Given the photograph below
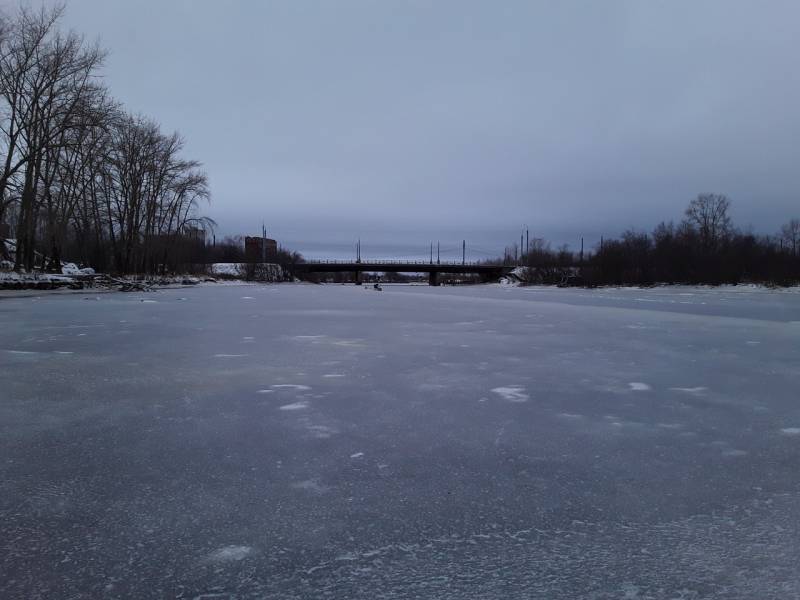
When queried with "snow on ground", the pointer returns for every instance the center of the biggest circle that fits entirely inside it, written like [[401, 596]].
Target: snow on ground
[[486, 442]]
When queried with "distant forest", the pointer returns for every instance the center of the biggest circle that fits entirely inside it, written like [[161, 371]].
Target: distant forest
[[704, 248], [79, 176]]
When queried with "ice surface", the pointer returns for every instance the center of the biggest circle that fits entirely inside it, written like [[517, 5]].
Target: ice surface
[[165, 463]]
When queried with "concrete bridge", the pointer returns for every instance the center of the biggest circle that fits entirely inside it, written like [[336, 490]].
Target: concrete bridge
[[396, 266]]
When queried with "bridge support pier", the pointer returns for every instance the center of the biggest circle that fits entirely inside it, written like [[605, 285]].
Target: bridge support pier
[[357, 277], [433, 279]]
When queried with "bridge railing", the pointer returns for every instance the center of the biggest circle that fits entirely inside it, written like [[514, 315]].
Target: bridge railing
[[425, 263]]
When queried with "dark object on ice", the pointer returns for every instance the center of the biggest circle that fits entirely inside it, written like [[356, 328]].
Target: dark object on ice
[[378, 287]]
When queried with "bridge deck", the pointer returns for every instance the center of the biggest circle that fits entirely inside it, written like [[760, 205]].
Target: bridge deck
[[398, 267]]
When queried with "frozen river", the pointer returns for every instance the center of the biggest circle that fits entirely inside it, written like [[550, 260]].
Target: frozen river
[[298, 441]]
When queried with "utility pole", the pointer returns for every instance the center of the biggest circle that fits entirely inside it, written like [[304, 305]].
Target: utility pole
[[463, 252], [358, 251], [581, 251], [431, 252], [438, 255], [601, 243], [520, 248], [527, 241], [263, 242]]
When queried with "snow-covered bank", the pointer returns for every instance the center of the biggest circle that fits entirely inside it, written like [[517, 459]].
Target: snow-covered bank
[[11, 280], [251, 271], [75, 277]]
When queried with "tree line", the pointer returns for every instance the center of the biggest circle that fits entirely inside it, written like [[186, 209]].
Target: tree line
[[703, 248], [79, 176]]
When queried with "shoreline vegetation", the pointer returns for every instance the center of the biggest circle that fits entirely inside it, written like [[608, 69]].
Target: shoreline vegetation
[[80, 177], [705, 248]]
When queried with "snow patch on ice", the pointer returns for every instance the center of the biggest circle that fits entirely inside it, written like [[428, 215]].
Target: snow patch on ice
[[290, 386], [333, 375], [349, 343], [734, 452], [690, 390], [310, 485], [638, 386], [230, 553], [512, 393], [321, 432], [790, 431], [357, 455], [302, 405], [229, 355], [265, 391]]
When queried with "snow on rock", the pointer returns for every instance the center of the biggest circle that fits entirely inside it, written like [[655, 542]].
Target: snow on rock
[[73, 269], [228, 269]]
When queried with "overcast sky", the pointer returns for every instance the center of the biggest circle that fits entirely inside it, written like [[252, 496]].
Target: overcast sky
[[418, 120]]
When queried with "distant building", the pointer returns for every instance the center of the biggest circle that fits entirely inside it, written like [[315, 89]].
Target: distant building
[[259, 249], [196, 234]]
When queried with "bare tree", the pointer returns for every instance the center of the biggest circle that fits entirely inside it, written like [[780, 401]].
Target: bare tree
[[46, 76], [790, 234], [708, 214], [75, 170]]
